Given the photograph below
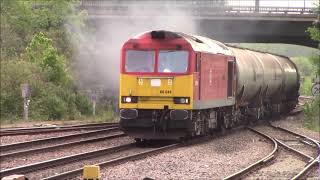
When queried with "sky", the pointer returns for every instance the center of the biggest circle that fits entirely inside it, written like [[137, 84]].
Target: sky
[[275, 3]]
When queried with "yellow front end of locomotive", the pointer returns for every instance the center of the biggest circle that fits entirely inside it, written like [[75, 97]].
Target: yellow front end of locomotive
[[149, 92]]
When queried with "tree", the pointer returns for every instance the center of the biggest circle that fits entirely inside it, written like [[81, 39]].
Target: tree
[[35, 47], [312, 110], [20, 20], [314, 32], [41, 52]]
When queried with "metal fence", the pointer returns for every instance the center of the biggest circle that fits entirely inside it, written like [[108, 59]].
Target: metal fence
[[225, 6], [205, 7]]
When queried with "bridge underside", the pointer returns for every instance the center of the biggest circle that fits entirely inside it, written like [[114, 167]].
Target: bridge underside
[[250, 31], [224, 30]]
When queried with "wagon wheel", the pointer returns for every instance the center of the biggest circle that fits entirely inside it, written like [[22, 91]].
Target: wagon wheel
[[221, 123], [199, 125]]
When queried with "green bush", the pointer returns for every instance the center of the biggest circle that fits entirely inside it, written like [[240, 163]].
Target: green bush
[[36, 49], [13, 74], [84, 105], [312, 112], [306, 85], [47, 100], [304, 65], [307, 71]]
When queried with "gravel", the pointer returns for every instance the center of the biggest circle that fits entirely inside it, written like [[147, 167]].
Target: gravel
[[211, 160], [296, 123], [284, 166], [81, 163], [314, 174], [61, 152]]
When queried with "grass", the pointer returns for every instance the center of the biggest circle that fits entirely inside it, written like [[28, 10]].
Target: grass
[[306, 85]]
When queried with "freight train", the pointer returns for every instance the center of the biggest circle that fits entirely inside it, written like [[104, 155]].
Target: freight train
[[175, 85]]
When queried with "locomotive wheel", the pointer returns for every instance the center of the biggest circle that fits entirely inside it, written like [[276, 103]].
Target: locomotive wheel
[[223, 129], [199, 125], [227, 121]]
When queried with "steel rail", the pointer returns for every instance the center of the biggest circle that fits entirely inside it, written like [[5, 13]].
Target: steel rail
[[296, 134], [59, 138], [116, 161], [55, 127], [54, 147], [299, 153], [258, 163], [43, 131], [136, 156], [315, 160], [63, 160], [305, 170]]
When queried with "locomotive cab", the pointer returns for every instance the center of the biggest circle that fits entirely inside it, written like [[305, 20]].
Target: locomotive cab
[[156, 81]]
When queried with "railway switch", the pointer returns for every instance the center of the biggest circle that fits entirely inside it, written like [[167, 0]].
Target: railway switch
[[91, 172]]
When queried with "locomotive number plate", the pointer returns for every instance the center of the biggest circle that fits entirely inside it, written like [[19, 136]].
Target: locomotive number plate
[[165, 91]]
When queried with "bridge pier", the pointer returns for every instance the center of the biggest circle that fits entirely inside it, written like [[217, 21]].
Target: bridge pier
[[257, 6]]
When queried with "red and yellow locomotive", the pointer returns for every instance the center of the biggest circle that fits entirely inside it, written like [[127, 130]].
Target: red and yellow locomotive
[[175, 85]]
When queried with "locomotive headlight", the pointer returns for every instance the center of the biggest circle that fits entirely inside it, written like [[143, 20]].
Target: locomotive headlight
[[129, 99], [181, 100]]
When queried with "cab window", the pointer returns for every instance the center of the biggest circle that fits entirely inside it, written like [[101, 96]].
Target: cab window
[[172, 61], [139, 61]]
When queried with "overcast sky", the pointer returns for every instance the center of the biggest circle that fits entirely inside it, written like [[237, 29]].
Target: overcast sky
[[275, 3]]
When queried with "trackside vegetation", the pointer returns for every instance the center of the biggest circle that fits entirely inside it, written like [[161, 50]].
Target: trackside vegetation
[[312, 110], [36, 49]]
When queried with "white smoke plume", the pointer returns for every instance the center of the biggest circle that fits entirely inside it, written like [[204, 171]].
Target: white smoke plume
[[96, 63]]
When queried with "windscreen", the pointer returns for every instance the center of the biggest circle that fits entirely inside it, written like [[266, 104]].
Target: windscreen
[[139, 61], [172, 61]]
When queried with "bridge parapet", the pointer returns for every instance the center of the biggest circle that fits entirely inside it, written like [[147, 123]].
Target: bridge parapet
[[195, 9]]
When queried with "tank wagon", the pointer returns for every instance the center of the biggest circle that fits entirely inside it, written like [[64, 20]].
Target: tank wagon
[[175, 85]]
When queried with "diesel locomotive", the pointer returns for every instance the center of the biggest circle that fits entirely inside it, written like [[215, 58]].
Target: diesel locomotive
[[175, 85]]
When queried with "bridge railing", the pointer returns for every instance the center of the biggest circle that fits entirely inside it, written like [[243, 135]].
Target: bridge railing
[[203, 7], [189, 7]]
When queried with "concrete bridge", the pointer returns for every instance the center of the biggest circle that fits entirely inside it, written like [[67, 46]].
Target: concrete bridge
[[236, 21]]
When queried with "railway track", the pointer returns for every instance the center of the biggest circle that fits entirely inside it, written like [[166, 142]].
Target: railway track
[[4, 157], [76, 173], [307, 154], [260, 162], [71, 166], [10, 148], [127, 152], [63, 160], [314, 160], [42, 130]]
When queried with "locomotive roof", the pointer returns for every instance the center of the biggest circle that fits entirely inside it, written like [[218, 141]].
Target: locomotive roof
[[198, 43]]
